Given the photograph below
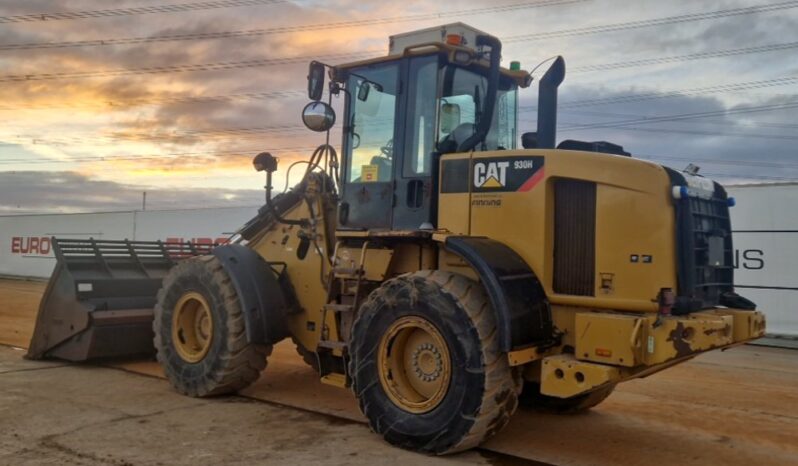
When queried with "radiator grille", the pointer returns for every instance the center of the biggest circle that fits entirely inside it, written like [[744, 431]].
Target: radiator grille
[[706, 220], [574, 237]]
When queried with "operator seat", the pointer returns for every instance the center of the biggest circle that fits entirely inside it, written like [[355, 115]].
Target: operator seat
[[452, 141]]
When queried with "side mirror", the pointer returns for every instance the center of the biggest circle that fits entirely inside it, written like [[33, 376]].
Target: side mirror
[[363, 91], [315, 80], [450, 117], [318, 116]]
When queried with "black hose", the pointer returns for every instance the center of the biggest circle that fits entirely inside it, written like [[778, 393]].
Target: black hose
[[324, 152]]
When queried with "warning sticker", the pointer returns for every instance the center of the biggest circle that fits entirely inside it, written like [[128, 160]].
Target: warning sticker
[[369, 173]]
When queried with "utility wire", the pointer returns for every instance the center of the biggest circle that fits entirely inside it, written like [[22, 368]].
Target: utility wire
[[171, 157], [701, 133], [758, 124], [683, 116], [257, 131], [294, 59], [732, 162], [108, 13], [732, 87], [221, 66], [625, 26], [161, 100], [683, 58], [395, 19], [284, 29]]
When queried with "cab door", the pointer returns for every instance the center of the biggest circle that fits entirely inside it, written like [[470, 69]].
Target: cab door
[[414, 186], [372, 138]]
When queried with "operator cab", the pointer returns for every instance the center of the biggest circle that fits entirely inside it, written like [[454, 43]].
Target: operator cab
[[402, 111]]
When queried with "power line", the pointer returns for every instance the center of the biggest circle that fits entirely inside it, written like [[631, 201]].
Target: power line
[[753, 177], [684, 116], [653, 22], [746, 124], [702, 133], [720, 123], [250, 131], [108, 13], [287, 60], [732, 87], [683, 58], [175, 156], [285, 29], [732, 162], [159, 100], [221, 66]]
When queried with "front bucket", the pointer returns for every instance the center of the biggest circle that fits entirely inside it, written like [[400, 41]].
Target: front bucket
[[99, 301]]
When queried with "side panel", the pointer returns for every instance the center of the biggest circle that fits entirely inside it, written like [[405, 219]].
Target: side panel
[[521, 307], [280, 243], [513, 202]]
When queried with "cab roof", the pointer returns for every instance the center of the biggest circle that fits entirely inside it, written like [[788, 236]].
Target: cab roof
[[521, 77]]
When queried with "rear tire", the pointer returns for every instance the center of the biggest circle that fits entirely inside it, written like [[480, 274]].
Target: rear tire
[[532, 398], [443, 328], [200, 336]]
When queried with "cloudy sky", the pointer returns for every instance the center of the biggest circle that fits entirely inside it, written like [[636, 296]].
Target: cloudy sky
[[174, 97]]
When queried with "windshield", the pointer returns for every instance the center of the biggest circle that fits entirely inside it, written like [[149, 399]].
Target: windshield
[[462, 104]]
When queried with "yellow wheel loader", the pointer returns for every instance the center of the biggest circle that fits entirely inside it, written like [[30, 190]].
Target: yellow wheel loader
[[439, 271]]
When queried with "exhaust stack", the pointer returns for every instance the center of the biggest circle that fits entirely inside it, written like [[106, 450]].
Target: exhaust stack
[[547, 104]]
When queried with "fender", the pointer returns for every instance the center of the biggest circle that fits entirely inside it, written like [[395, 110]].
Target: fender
[[264, 300], [522, 311]]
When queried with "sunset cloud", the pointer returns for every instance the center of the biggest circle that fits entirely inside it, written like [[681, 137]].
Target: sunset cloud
[[183, 132]]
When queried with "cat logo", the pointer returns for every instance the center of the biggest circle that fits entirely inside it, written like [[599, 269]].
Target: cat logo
[[490, 174]]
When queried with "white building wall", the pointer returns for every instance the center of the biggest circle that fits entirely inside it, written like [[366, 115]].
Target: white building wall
[[25, 248]]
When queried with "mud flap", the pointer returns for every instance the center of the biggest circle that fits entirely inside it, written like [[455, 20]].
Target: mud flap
[[100, 298]]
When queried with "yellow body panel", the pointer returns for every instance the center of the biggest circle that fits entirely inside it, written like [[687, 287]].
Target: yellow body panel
[[280, 244], [632, 198]]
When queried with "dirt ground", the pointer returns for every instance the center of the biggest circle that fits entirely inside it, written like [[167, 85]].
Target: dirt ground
[[737, 407], [85, 415]]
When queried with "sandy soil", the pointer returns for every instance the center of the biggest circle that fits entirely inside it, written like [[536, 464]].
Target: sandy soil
[[737, 407]]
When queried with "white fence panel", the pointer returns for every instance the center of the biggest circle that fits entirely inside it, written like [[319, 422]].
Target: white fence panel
[[765, 224]]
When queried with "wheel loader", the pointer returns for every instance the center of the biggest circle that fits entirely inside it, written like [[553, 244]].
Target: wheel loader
[[439, 271]]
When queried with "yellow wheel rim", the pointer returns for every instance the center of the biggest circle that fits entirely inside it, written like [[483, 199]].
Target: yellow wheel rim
[[414, 364], [192, 327]]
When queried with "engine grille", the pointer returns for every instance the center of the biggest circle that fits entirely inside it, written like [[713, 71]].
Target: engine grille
[[574, 237], [705, 250]]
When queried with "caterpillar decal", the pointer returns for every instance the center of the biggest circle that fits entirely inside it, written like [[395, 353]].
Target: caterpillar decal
[[492, 174]]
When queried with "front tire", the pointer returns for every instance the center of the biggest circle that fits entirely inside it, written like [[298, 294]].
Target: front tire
[[426, 366], [200, 336]]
